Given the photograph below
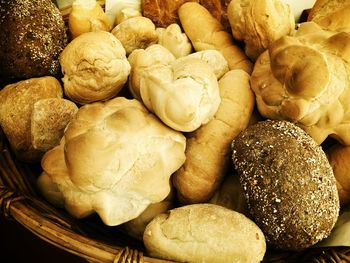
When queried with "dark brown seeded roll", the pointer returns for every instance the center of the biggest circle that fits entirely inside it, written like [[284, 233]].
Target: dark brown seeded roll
[[289, 185], [32, 36]]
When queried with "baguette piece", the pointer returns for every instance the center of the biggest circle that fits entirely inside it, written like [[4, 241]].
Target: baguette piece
[[205, 32], [208, 148], [87, 16], [204, 233]]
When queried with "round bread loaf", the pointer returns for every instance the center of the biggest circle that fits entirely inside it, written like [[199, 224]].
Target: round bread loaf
[[32, 36], [288, 183]]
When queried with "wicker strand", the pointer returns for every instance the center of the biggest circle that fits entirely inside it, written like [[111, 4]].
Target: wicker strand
[[7, 198], [127, 255]]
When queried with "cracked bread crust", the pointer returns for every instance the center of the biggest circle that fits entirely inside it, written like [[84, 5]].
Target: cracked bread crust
[[204, 233]]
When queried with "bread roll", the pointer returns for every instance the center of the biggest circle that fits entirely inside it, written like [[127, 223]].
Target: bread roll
[[305, 79], [208, 148], [339, 157], [136, 32], [16, 106], [174, 40], [205, 32], [125, 14], [32, 36], [164, 13], [87, 16], [331, 14], [288, 182], [131, 156], [259, 23], [48, 120], [94, 66], [183, 93], [214, 59], [204, 233]]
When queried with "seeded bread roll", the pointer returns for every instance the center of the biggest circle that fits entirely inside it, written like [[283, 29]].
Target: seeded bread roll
[[32, 36], [288, 182]]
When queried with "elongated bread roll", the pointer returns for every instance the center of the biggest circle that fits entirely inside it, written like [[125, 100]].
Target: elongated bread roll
[[204, 233], [205, 32], [208, 148]]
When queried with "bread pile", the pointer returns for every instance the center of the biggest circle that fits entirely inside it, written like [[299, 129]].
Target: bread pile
[[198, 127]]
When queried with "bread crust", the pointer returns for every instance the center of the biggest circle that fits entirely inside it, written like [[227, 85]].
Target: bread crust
[[205, 32], [208, 148]]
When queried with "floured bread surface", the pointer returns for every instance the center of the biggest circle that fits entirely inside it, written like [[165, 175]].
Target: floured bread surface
[[115, 159], [204, 233]]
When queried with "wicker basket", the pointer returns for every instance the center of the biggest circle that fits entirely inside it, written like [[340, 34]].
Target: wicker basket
[[89, 238]]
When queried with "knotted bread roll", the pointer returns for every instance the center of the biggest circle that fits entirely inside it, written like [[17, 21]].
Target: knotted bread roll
[[305, 79], [115, 159], [183, 93]]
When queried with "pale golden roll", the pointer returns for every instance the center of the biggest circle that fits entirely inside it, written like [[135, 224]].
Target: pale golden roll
[[136, 33], [182, 92], [174, 40], [339, 158], [259, 23], [331, 14], [205, 32], [305, 79], [204, 233], [130, 154], [214, 59], [209, 147], [94, 66], [87, 16]]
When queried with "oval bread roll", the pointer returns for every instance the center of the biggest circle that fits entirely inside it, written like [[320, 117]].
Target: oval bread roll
[[204, 233], [208, 148]]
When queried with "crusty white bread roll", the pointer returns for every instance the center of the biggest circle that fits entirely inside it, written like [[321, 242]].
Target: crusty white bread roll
[[183, 93], [208, 148], [136, 32], [305, 79], [214, 59], [259, 23], [331, 14], [174, 40], [339, 158], [94, 66], [16, 106], [205, 32], [115, 159], [87, 16], [204, 233]]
